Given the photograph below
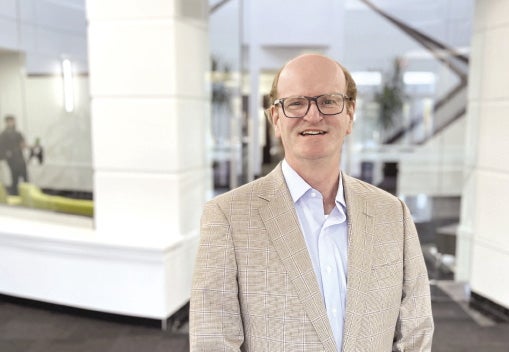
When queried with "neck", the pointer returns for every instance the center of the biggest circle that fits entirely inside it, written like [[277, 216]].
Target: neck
[[322, 176]]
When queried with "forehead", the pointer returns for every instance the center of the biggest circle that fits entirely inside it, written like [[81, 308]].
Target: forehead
[[311, 76]]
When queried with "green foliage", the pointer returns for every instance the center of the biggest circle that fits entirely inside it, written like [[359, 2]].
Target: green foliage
[[221, 94], [390, 98]]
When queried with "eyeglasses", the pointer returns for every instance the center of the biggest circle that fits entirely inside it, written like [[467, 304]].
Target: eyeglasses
[[327, 104]]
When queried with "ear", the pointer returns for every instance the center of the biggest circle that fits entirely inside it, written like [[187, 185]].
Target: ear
[[274, 116], [350, 115]]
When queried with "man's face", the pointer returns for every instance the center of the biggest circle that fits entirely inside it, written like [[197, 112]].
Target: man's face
[[315, 136]]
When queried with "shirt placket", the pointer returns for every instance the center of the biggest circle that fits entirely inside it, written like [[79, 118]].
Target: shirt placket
[[333, 280]]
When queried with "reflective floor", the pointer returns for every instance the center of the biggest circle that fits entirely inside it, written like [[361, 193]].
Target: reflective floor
[[25, 328], [30, 329]]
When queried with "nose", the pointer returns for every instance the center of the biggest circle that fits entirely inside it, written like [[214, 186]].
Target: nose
[[313, 114]]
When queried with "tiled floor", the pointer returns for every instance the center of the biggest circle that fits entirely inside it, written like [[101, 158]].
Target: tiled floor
[[29, 329], [25, 328]]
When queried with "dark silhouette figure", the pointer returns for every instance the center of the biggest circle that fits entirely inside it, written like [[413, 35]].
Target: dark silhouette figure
[[12, 144]]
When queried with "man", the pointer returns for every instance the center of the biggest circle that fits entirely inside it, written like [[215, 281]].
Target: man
[[308, 258], [12, 144]]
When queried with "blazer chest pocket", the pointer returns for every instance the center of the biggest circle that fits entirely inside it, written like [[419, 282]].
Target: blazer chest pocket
[[387, 274]]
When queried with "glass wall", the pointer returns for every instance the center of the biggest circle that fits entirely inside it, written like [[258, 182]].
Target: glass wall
[[411, 63], [45, 143], [228, 123]]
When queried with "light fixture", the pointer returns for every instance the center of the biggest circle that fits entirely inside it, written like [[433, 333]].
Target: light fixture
[[419, 78], [367, 78], [68, 85]]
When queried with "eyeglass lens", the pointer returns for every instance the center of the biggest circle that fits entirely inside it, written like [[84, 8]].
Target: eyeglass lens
[[328, 104]]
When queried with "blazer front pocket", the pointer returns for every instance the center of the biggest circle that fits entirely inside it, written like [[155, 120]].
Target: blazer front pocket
[[387, 274]]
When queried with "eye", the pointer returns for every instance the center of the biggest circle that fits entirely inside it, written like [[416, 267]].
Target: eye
[[295, 103], [330, 100]]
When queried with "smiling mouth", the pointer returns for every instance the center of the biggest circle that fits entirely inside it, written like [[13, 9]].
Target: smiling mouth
[[312, 133]]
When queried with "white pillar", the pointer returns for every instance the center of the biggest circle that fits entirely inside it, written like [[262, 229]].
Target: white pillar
[[483, 246], [150, 112]]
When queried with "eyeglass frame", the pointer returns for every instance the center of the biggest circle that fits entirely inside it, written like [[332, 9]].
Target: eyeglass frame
[[281, 102]]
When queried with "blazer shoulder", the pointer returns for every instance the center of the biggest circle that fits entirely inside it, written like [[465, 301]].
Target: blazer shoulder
[[263, 188], [367, 190]]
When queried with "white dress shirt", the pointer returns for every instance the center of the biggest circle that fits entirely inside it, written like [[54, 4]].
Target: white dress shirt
[[326, 237]]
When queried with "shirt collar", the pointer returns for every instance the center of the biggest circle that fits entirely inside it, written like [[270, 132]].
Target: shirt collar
[[298, 187]]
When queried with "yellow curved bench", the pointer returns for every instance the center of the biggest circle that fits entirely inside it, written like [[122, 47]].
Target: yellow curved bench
[[6, 198], [33, 197]]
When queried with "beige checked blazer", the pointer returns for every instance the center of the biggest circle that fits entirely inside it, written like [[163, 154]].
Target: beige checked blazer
[[254, 287]]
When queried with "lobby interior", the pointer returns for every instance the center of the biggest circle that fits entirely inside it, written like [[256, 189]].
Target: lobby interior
[[117, 277]]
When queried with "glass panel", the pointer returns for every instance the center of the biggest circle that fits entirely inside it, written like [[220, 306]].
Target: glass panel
[[227, 124], [409, 134], [45, 143]]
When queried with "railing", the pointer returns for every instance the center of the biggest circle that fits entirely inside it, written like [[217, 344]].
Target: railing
[[452, 106]]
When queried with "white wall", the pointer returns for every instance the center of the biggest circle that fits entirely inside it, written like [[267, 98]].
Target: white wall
[[301, 23], [11, 87], [483, 248]]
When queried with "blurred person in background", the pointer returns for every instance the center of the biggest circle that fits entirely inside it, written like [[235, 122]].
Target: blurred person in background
[[12, 144]]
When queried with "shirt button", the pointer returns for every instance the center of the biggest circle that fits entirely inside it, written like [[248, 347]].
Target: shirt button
[[329, 269], [313, 194], [334, 311]]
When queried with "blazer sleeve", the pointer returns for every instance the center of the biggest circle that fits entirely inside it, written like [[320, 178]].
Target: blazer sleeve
[[414, 330], [215, 323]]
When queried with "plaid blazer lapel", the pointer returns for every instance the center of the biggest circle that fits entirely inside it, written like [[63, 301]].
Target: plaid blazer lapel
[[360, 245], [283, 227]]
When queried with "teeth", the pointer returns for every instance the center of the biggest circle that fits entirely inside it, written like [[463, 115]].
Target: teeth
[[312, 133]]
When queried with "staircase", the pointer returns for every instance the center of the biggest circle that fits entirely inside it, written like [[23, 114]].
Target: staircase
[[434, 164]]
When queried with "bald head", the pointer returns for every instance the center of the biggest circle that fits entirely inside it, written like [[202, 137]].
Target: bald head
[[316, 68]]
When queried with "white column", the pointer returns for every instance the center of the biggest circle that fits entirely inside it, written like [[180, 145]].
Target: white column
[[483, 248], [150, 112]]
